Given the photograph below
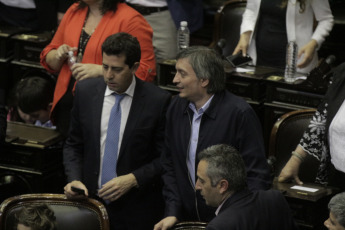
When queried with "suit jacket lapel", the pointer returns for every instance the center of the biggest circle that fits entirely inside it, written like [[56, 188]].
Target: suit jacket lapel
[[138, 104]]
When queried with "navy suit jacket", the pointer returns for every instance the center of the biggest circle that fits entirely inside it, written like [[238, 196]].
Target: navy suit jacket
[[140, 150], [260, 210]]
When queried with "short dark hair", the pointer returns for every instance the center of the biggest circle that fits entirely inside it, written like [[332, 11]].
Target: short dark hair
[[123, 43], [207, 64], [37, 217], [337, 206], [107, 5], [34, 93], [225, 162]]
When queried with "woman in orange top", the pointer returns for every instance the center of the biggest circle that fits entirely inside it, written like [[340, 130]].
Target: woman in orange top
[[82, 30]]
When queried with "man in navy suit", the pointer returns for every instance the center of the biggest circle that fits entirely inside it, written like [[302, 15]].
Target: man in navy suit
[[137, 186], [222, 183]]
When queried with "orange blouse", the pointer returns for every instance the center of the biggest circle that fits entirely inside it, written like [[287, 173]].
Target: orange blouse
[[125, 19]]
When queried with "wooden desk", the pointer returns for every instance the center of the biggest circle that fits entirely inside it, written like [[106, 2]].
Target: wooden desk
[[309, 210]]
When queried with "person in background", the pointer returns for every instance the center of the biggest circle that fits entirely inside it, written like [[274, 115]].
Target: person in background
[[36, 217], [222, 183], [34, 96], [84, 27], [324, 138], [116, 138], [165, 16], [35, 15], [205, 114], [268, 26], [336, 206]]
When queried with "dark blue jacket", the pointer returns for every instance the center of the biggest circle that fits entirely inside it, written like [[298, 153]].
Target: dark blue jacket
[[259, 210], [228, 120]]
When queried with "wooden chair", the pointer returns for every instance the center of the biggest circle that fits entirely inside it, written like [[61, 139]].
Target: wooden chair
[[190, 225], [227, 23], [86, 214], [285, 136]]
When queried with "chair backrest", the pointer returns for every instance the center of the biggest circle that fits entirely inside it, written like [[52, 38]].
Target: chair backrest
[[227, 24], [85, 214], [190, 225], [285, 136]]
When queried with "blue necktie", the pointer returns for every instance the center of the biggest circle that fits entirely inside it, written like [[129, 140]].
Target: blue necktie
[[112, 141]]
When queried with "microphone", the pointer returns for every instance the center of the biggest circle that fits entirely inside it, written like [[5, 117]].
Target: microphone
[[318, 78], [220, 45]]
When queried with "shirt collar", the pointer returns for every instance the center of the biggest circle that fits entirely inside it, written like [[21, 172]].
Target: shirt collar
[[129, 91], [203, 108]]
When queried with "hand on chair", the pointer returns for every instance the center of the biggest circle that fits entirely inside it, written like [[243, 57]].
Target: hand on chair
[[70, 194], [166, 223]]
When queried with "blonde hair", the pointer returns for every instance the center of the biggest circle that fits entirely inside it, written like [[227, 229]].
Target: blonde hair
[[301, 4]]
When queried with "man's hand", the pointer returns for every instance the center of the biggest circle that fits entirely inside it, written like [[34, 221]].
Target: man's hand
[[166, 223], [70, 194], [117, 187], [81, 71]]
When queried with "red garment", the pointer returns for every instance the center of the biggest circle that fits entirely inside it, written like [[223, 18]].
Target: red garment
[[125, 19]]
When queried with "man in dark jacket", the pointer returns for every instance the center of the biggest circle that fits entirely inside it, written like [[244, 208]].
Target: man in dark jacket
[[222, 182], [205, 114]]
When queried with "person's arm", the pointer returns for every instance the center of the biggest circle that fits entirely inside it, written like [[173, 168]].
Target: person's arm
[[250, 144], [243, 43], [247, 26], [324, 18], [73, 147], [291, 169]]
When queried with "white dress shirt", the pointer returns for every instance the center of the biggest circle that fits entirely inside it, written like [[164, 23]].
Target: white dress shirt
[[336, 139]]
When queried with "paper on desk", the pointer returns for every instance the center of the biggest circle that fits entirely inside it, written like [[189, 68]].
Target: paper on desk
[[306, 189], [243, 70]]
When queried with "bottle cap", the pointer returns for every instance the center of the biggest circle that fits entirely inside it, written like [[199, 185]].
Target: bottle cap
[[184, 23]]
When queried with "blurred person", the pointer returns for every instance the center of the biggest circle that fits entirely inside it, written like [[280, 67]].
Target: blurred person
[[36, 217], [35, 15], [268, 26], [336, 206], [34, 97], [222, 183], [324, 138], [116, 138], [204, 114], [84, 27], [165, 16]]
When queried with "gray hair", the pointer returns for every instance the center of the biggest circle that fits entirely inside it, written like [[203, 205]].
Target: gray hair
[[225, 162], [337, 206], [207, 64]]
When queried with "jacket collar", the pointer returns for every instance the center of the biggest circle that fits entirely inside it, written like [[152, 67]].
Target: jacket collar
[[212, 109]]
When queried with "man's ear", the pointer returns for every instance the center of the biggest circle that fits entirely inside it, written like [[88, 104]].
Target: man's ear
[[223, 186], [135, 67], [204, 82]]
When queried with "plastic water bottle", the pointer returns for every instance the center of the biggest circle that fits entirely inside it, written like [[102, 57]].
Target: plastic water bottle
[[291, 62], [71, 59], [183, 36]]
